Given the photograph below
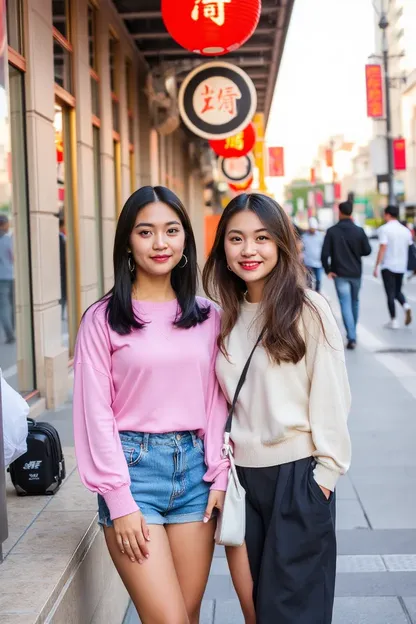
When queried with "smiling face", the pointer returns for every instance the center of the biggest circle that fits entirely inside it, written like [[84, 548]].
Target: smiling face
[[157, 240], [251, 252]]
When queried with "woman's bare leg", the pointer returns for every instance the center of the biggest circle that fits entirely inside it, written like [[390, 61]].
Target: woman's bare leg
[[153, 586], [192, 547], [243, 583]]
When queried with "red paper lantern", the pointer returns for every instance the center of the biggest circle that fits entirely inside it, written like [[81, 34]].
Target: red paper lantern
[[235, 146], [211, 27], [238, 188]]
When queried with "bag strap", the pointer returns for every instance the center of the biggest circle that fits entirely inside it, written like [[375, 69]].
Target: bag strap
[[239, 386]]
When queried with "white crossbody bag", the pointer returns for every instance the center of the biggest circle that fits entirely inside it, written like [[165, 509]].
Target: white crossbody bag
[[231, 523]]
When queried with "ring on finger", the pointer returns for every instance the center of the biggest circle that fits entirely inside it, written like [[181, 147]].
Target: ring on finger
[[126, 542]]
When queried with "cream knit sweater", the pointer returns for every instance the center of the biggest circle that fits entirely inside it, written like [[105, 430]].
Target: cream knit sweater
[[288, 412]]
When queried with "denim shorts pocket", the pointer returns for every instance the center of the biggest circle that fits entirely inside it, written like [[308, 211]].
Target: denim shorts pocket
[[199, 445], [133, 454]]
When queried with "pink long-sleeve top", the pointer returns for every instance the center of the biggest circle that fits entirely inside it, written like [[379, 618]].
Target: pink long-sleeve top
[[158, 379]]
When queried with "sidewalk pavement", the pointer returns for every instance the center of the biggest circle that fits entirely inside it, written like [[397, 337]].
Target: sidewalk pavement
[[376, 501]]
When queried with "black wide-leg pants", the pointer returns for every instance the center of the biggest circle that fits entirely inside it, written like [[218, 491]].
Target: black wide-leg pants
[[291, 543]]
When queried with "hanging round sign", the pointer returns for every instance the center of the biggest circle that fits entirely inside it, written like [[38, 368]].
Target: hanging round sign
[[237, 145], [239, 188], [236, 170], [208, 27], [217, 100]]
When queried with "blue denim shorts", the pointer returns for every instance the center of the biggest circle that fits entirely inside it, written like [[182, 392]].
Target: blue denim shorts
[[166, 472]]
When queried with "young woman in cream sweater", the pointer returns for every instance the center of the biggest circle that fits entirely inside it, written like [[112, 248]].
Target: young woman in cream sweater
[[290, 435]]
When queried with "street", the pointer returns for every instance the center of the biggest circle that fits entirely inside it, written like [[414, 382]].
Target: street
[[376, 504]]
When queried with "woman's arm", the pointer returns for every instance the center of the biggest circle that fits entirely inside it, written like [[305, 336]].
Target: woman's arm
[[330, 398], [101, 462], [217, 412]]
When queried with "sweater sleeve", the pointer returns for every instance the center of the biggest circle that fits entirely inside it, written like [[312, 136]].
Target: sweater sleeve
[[330, 398], [101, 462], [217, 412]]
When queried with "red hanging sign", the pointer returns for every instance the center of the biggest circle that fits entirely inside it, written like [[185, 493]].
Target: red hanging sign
[[399, 154], [276, 162], [374, 87], [237, 145]]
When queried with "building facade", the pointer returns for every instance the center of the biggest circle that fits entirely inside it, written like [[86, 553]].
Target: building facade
[[76, 138]]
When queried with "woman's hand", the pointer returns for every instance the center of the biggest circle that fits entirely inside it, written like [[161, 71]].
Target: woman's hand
[[325, 491], [215, 500], [132, 534]]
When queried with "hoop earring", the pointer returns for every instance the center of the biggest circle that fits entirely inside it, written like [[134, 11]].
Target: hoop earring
[[184, 265], [130, 262], [229, 268]]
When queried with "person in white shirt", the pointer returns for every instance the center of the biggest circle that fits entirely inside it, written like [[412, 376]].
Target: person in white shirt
[[289, 432], [393, 255]]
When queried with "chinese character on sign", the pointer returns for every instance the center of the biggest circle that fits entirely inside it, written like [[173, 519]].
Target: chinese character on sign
[[208, 95], [235, 142], [227, 99], [221, 100], [211, 9]]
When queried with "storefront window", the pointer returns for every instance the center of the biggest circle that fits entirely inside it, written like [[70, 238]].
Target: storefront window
[[14, 19], [98, 210], [114, 50], [60, 13], [62, 48], [16, 334], [92, 49], [64, 214], [117, 176]]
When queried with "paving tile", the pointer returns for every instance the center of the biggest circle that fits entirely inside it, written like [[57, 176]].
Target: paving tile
[[410, 604], [27, 582], [228, 612], [368, 611], [400, 563], [207, 612], [381, 541], [389, 506], [18, 618], [349, 564], [376, 584], [73, 496], [220, 566], [59, 532], [345, 489], [350, 515]]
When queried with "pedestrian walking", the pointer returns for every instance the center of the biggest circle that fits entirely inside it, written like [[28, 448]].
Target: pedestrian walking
[[344, 245], [313, 241], [149, 414], [393, 255], [7, 320], [289, 432]]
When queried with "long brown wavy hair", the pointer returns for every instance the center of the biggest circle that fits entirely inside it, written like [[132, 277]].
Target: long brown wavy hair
[[284, 295]]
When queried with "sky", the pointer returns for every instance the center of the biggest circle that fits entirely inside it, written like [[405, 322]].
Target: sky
[[320, 89]]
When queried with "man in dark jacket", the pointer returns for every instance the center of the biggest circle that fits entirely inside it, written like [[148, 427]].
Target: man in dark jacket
[[344, 245]]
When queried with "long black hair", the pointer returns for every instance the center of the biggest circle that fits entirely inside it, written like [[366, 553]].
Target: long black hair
[[120, 314]]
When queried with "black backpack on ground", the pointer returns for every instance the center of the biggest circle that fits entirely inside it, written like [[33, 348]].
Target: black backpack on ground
[[41, 469]]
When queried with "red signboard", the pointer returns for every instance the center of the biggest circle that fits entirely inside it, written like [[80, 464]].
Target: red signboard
[[374, 86], [399, 154], [276, 162], [313, 176], [329, 158]]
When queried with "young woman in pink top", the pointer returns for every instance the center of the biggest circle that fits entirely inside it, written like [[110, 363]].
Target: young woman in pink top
[[149, 415]]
